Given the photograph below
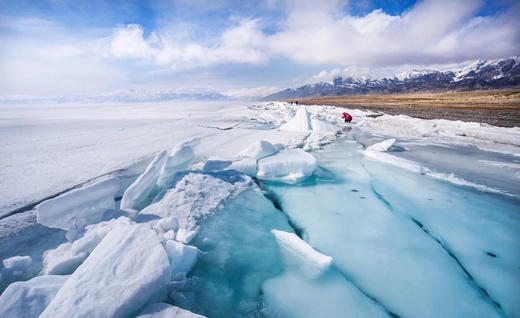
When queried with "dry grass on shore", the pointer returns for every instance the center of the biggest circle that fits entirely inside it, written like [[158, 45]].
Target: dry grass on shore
[[508, 99]]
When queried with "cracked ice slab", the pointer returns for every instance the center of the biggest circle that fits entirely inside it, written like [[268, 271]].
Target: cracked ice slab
[[311, 286], [196, 196], [73, 210], [480, 229], [387, 256], [126, 270]]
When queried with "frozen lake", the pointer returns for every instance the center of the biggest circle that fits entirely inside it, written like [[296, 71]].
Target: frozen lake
[[387, 216]]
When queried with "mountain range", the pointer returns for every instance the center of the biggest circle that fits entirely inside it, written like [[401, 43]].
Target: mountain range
[[483, 74]]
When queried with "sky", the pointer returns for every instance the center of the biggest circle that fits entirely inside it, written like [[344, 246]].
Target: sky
[[238, 47]]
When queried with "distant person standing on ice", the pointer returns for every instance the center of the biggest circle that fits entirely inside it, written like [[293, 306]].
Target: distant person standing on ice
[[347, 117]]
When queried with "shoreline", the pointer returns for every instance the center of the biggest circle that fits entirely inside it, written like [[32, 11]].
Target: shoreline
[[495, 107]]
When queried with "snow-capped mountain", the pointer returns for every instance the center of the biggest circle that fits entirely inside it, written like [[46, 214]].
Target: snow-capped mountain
[[483, 74]]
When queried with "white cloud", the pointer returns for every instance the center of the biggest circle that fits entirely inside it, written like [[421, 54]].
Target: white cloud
[[319, 32], [433, 31], [242, 43]]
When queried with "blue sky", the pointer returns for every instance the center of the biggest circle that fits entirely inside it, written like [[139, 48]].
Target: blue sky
[[63, 47]]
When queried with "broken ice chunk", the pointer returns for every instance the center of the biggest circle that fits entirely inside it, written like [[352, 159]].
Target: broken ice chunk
[[140, 190], [163, 310], [28, 299], [168, 223], [170, 235], [297, 253], [288, 166], [125, 271], [182, 257], [215, 164], [185, 236], [179, 159], [62, 260], [75, 209], [68, 256], [15, 267], [323, 127], [258, 150], [381, 146], [300, 122], [247, 166]]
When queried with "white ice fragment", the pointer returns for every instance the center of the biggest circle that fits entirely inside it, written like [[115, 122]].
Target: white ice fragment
[[168, 223], [300, 122], [323, 127], [145, 184], [170, 235], [68, 256], [75, 209], [62, 260], [185, 236], [247, 166], [215, 164], [182, 257], [17, 264], [297, 253], [163, 310], [180, 159], [125, 271], [257, 150], [28, 299], [290, 166], [381, 146]]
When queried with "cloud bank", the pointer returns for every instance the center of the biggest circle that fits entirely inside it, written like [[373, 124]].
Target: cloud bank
[[285, 47], [316, 32]]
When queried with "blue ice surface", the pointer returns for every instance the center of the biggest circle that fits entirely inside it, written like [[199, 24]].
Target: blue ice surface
[[403, 244], [419, 247], [239, 254]]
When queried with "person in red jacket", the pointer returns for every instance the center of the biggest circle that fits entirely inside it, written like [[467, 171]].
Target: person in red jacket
[[347, 117]]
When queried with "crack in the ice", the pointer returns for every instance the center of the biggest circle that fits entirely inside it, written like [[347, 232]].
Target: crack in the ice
[[456, 259], [366, 294], [300, 232], [269, 195], [443, 245]]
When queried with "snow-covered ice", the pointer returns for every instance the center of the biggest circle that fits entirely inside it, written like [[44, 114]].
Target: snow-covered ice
[[258, 150], [194, 197]]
